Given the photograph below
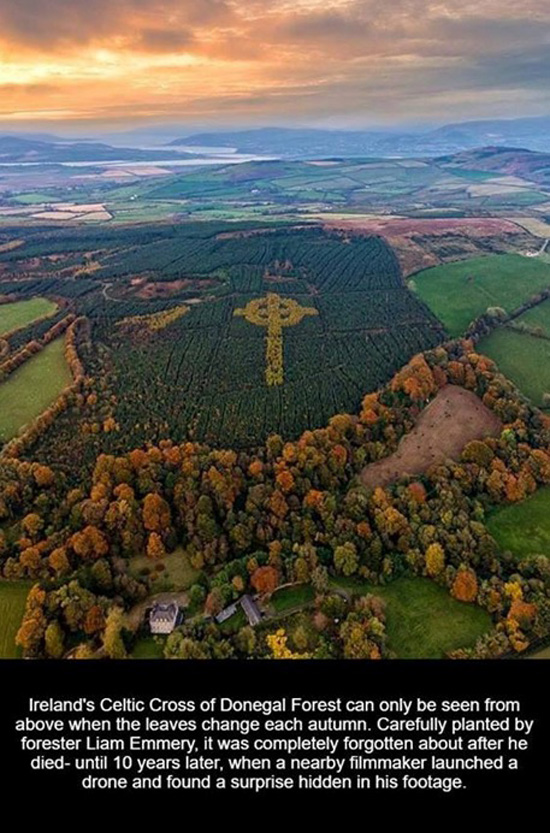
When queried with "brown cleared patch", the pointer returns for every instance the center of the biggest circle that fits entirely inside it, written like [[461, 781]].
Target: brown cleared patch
[[454, 418], [10, 245], [424, 242], [534, 225], [279, 279], [279, 272], [229, 235], [167, 289], [480, 226]]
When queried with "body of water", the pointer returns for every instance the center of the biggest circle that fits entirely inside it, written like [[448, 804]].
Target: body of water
[[200, 161]]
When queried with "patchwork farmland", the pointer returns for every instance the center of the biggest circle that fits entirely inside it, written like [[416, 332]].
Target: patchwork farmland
[[262, 407]]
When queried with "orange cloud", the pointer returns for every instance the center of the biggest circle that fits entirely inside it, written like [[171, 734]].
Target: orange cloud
[[273, 60]]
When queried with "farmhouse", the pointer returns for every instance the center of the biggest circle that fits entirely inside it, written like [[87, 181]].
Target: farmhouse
[[250, 609], [163, 618], [226, 613]]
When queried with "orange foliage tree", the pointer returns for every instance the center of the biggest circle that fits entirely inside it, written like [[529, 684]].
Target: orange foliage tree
[[265, 579], [465, 585], [415, 379], [156, 513], [89, 544], [155, 547]]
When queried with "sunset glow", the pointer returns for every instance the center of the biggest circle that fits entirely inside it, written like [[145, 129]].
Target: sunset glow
[[260, 61]]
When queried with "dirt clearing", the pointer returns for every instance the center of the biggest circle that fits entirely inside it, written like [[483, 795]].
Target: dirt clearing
[[454, 418], [533, 225], [421, 243]]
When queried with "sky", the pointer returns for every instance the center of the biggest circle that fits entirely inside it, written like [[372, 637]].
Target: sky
[[326, 63]]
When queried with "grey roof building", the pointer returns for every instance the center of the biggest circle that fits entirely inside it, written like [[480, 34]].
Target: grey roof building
[[163, 618], [251, 610], [226, 613]]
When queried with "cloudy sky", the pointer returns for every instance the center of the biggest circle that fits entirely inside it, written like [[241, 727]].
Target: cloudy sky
[[353, 63]]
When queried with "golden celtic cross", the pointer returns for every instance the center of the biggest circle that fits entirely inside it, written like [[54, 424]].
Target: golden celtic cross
[[274, 312]]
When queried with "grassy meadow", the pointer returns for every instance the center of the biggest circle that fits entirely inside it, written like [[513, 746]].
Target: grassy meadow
[[13, 595], [459, 292], [523, 528], [147, 647], [523, 358], [175, 573], [537, 318], [32, 388], [422, 620], [290, 597], [20, 313]]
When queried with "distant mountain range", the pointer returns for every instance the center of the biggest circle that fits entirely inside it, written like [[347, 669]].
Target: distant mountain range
[[532, 133], [17, 150], [278, 142], [527, 164]]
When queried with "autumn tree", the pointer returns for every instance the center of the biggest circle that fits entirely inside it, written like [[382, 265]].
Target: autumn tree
[[53, 640], [83, 651], [155, 547], [214, 602], [33, 525], [285, 480], [357, 638], [277, 644], [94, 621], [320, 580], [464, 587], [478, 452], [59, 561], [265, 580], [33, 627], [300, 638], [435, 559], [238, 583], [30, 559], [102, 574], [415, 379], [113, 644], [156, 514], [245, 641], [346, 559], [89, 544], [43, 476], [417, 492]]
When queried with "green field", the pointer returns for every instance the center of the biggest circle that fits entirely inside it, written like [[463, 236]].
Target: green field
[[178, 574], [523, 528], [13, 595], [537, 318], [291, 597], [21, 313], [147, 648], [422, 620], [35, 198], [523, 358], [293, 187], [32, 388], [234, 623], [459, 292]]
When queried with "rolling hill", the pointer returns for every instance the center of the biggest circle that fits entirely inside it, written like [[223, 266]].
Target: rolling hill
[[14, 149], [310, 143]]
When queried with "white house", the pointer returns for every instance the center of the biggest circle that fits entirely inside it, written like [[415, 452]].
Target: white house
[[163, 618]]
